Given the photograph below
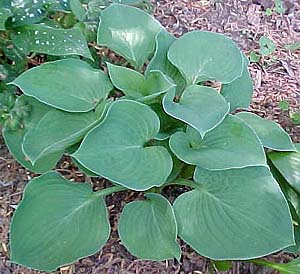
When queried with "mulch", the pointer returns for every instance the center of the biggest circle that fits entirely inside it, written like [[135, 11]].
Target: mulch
[[276, 78]]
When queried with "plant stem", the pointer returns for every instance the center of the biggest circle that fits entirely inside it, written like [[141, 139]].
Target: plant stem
[[110, 190], [266, 263]]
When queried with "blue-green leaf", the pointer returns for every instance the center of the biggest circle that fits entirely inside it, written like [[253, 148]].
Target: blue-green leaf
[[239, 92], [137, 86], [56, 131], [148, 229], [232, 144], [118, 149], [70, 84], [234, 214], [271, 134], [128, 31], [202, 55], [201, 107], [57, 223], [161, 62]]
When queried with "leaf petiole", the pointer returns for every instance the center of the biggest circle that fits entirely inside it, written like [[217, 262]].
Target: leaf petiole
[[110, 190]]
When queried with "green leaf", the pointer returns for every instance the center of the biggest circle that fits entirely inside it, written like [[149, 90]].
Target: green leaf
[[254, 57], [51, 41], [27, 12], [288, 164], [201, 107], [117, 148], [80, 91], [128, 31], [292, 267], [148, 229], [239, 92], [295, 118], [5, 4], [289, 268], [56, 131], [161, 62], [271, 134], [232, 144], [14, 138], [223, 265], [135, 85], [269, 11], [284, 105], [294, 203], [4, 15], [78, 10], [293, 47], [266, 45], [69, 222], [279, 6], [201, 56], [234, 214]]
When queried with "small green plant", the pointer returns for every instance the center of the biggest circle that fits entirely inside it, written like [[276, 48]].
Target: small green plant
[[169, 128], [278, 8], [266, 46], [293, 46], [266, 49], [284, 105], [294, 115], [254, 57]]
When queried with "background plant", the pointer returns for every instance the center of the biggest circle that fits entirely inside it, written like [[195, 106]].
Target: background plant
[[170, 122]]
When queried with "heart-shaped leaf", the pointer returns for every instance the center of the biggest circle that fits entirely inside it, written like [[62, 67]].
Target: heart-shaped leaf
[[135, 40], [201, 107], [57, 223], [288, 164], [56, 131], [135, 85], [270, 133], [161, 62], [51, 41], [232, 144], [14, 138], [80, 91], [201, 56], [117, 148], [239, 92], [148, 229], [234, 214], [4, 15]]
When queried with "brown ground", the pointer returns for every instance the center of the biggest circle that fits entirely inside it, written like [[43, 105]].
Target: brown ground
[[245, 21]]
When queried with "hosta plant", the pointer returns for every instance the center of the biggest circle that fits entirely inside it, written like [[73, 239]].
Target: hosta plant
[[176, 124]]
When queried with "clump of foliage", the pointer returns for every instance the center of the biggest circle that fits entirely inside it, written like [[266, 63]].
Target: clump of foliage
[[278, 8], [171, 127]]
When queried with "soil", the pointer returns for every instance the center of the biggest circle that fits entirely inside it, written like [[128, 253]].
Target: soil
[[276, 78]]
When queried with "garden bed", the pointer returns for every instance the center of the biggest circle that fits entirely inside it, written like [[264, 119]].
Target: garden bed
[[276, 78]]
